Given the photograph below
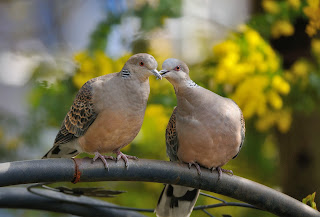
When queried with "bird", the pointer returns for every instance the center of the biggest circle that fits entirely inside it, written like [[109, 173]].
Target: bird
[[205, 129], [107, 113]]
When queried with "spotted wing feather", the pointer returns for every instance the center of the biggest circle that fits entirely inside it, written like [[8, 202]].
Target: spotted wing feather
[[172, 137], [77, 121], [80, 116]]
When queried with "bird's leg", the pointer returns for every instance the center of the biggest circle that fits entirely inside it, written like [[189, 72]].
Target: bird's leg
[[196, 165], [220, 170], [103, 158], [124, 157]]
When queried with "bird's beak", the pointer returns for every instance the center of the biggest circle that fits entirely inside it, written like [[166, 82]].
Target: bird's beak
[[163, 72], [156, 73]]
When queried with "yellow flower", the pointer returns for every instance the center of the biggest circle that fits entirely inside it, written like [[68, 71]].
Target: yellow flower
[[266, 122], [282, 28], [87, 66], [300, 68], [256, 59], [313, 12], [275, 100], [294, 3], [225, 47], [270, 6], [230, 60], [279, 84], [80, 56], [284, 120], [253, 37], [220, 75], [80, 79], [315, 46], [313, 3]]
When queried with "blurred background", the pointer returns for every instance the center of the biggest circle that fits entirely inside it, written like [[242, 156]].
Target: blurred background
[[265, 55]]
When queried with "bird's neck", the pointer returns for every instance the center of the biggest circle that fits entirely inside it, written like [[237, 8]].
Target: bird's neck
[[127, 75], [187, 95], [185, 86]]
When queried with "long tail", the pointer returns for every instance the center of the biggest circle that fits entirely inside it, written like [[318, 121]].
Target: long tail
[[176, 201], [58, 151]]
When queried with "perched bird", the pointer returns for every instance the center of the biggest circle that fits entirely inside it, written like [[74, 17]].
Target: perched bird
[[205, 129], [107, 113]]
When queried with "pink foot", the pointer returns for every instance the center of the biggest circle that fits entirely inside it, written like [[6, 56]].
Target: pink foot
[[103, 158], [220, 170], [197, 167], [125, 158]]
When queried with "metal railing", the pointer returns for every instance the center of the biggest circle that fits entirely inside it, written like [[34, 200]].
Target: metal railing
[[57, 170]]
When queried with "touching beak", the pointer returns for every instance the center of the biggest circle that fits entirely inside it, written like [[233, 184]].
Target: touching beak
[[163, 72], [156, 73]]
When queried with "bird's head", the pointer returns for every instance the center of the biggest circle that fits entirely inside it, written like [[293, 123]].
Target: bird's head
[[142, 65], [175, 71]]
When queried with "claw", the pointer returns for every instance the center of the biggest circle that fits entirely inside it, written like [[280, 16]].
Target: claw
[[197, 167], [103, 158], [125, 158], [220, 170]]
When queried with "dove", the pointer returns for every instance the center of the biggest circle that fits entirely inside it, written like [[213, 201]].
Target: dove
[[107, 112], [205, 129]]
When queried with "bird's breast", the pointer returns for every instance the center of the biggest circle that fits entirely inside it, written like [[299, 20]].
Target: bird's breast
[[112, 129], [208, 138]]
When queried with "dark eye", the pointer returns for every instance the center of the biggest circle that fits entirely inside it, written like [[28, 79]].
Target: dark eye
[[177, 68], [141, 64]]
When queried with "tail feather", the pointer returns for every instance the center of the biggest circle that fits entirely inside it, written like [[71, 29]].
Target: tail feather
[[58, 151], [176, 201]]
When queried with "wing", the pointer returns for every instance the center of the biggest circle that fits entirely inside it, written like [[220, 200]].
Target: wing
[[172, 142], [80, 116], [243, 132]]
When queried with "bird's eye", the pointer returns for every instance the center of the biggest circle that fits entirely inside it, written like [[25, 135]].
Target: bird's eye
[[141, 64], [177, 68]]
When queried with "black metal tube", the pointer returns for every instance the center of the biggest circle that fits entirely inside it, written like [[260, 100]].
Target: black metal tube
[[52, 170], [18, 197]]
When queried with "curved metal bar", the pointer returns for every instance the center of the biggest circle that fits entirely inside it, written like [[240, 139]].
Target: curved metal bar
[[19, 197], [225, 204], [55, 170], [212, 197], [53, 194]]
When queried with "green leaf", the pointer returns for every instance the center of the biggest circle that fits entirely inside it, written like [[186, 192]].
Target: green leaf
[[309, 200]]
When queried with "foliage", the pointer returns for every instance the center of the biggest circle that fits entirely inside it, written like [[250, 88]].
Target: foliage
[[249, 72], [310, 200]]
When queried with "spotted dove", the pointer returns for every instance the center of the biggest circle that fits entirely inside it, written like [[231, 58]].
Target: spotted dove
[[205, 129], [107, 113]]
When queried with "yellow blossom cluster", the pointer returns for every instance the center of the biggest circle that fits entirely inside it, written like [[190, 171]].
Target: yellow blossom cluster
[[294, 4], [299, 73], [247, 64], [97, 64], [312, 10], [271, 6], [315, 47], [282, 28]]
